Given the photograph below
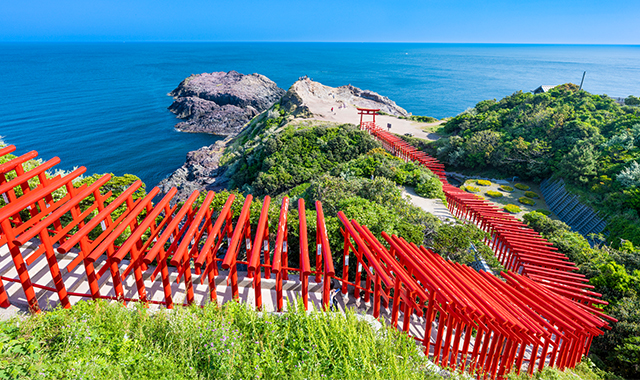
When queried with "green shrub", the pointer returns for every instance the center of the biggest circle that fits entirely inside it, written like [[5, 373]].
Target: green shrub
[[483, 182], [506, 188], [526, 201], [512, 208], [521, 186], [544, 212], [470, 189], [494, 194], [531, 194]]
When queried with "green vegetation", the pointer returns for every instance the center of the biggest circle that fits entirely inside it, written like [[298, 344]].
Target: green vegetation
[[632, 101], [506, 188], [526, 201], [544, 212], [108, 341], [589, 140], [422, 119], [585, 370], [453, 241], [512, 208], [531, 194], [615, 273], [339, 165], [117, 185], [299, 154], [494, 194], [521, 186], [483, 182]]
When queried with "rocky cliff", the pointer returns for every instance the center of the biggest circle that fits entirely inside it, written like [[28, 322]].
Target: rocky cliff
[[307, 99], [222, 103], [201, 172]]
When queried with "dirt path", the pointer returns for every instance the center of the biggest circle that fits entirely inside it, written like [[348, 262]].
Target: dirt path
[[322, 111]]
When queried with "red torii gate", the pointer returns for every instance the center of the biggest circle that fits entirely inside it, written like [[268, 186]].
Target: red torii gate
[[367, 112], [540, 316]]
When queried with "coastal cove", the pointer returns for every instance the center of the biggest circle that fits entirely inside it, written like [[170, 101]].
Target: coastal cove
[[75, 100]]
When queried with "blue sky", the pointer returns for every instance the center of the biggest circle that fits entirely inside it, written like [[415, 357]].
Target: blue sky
[[481, 21]]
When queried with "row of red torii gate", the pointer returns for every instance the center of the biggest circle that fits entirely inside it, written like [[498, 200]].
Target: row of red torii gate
[[71, 242]]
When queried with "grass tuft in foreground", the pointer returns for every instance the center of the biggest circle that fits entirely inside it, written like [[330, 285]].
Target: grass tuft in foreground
[[107, 341]]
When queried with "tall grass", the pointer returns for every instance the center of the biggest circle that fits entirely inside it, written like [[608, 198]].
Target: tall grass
[[99, 340]]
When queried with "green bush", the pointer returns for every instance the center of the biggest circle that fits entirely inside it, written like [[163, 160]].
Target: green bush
[[470, 189], [494, 194], [531, 194], [506, 188], [544, 212], [521, 186], [526, 201], [512, 208], [483, 182]]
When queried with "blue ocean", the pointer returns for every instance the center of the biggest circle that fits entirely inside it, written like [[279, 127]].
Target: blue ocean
[[104, 105]]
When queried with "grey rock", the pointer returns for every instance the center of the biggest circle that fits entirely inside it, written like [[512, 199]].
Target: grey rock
[[201, 172], [222, 103]]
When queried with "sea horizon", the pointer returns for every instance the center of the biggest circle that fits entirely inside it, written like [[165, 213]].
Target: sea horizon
[[103, 104], [308, 42]]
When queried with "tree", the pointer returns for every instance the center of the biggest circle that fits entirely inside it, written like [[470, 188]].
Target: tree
[[632, 101], [580, 164], [630, 176]]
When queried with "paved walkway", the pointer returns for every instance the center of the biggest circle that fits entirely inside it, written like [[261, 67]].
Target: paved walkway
[[432, 206]]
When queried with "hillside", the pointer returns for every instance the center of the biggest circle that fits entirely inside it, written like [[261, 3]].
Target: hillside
[[346, 170], [594, 145], [588, 140]]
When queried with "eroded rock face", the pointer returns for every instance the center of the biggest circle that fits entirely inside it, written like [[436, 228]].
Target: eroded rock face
[[201, 172], [306, 95], [222, 103]]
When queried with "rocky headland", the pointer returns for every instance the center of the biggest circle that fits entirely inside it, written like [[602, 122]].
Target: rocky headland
[[222, 103], [309, 99]]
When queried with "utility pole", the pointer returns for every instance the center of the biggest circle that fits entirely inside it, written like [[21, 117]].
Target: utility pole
[[581, 82]]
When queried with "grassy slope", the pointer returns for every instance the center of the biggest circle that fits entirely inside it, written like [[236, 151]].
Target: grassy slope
[[97, 340]]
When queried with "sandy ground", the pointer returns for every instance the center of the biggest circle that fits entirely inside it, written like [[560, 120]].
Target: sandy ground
[[350, 115]]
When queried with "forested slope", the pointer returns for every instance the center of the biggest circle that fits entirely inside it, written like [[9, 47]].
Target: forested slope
[[594, 145], [588, 140]]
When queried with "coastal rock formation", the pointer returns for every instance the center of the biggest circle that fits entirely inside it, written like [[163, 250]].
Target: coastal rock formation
[[200, 172], [222, 103], [305, 97]]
